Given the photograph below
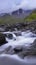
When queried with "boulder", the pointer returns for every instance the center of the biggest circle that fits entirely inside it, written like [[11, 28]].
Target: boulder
[[2, 29], [21, 51], [33, 48], [10, 36], [9, 50], [24, 52], [2, 39], [33, 45], [18, 49]]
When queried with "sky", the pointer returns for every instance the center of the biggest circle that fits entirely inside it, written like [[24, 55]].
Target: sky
[[10, 5]]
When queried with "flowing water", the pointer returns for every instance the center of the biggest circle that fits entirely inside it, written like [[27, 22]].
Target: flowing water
[[26, 38]]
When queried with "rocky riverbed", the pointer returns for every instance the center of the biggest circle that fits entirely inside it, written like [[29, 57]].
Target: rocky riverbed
[[19, 26]]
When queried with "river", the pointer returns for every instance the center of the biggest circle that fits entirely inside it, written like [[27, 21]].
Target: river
[[25, 39]]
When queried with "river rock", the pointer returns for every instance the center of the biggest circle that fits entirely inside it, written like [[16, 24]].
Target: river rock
[[10, 36], [21, 51], [9, 50], [33, 48], [18, 49], [2, 39], [18, 34], [24, 52], [2, 29], [33, 44]]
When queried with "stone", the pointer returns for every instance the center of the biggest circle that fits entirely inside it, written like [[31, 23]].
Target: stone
[[18, 34], [9, 50], [10, 36], [2, 39], [18, 49]]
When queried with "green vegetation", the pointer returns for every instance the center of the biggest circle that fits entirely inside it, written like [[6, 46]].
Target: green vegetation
[[31, 17], [10, 19]]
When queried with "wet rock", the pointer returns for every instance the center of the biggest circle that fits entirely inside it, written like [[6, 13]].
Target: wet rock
[[15, 29], [34, 31], [18, 49], [5, 35], [33, 45], [21, 55], [2, 27], [7, 28], [18, 34], [25, 52], [31, 50], [9, 50], [2, 30], [21, 51], [33, 26], [10, 36], [2, 39], [19, 26]]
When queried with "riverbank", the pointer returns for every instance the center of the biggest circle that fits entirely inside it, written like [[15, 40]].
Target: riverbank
[[19, 27]]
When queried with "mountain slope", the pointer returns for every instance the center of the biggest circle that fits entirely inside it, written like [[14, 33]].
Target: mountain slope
[[10, 19], [13, 19], [31, 17]]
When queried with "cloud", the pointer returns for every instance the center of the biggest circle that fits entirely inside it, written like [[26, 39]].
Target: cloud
[[10, 5], [28, 4]]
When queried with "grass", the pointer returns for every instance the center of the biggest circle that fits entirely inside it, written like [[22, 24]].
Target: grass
[[31, 17], [10, 19]]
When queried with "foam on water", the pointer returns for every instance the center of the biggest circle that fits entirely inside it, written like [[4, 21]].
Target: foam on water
[[25, 39]]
